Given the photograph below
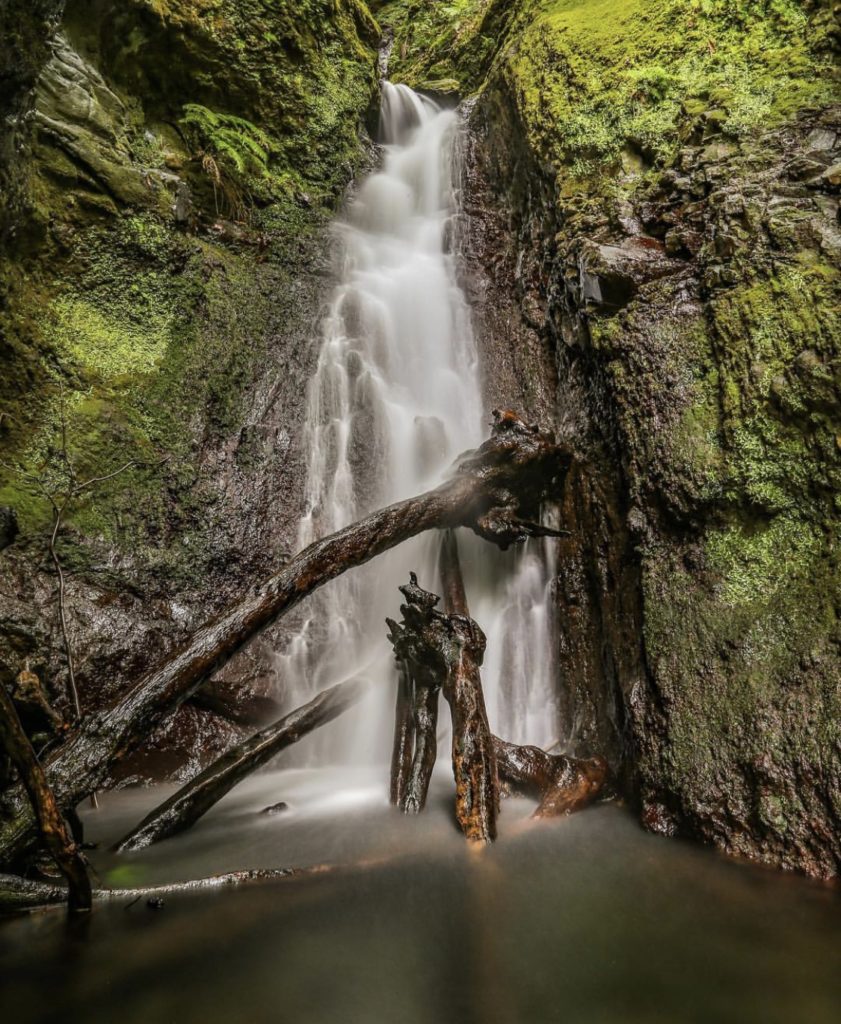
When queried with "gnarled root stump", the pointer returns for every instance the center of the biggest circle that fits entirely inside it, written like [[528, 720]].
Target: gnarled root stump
[[448, 650], [561, 784], [495, 491], [425, 727]]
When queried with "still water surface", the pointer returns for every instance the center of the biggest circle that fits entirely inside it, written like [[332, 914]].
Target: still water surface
[[582, 921]]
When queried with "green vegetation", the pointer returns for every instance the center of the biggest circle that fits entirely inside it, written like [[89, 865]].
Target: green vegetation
[[592, 76], [444, 47], [156, 330]]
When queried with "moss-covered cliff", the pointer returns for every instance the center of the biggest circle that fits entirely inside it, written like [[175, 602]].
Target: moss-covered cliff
[[174, 163], [671, 168]]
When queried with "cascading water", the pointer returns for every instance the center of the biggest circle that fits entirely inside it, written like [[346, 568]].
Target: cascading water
[[395, 398]]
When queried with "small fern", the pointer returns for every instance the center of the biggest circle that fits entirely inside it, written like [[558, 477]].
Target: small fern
[[233, 152]]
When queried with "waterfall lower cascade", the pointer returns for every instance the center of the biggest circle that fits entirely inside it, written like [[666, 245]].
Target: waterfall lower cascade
[[396, 396]]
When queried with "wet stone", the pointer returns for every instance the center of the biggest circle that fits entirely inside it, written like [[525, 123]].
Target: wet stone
[[274, 809], [8, 526]]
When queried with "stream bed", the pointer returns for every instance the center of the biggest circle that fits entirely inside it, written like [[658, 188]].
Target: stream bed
[[587, 920]]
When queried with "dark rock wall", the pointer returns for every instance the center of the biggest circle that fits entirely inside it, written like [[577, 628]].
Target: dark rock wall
[[665, 180], [176, 168]]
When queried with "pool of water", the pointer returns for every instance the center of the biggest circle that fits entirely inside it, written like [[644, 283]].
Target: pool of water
[[588, 920]]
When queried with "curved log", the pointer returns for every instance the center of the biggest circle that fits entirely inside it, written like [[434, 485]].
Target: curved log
[[184, 808], [493, 491], [561, 784]]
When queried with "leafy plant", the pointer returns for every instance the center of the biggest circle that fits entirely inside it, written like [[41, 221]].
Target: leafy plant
[[234, 154]]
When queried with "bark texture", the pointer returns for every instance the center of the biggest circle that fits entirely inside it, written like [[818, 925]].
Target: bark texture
[[561, 784]]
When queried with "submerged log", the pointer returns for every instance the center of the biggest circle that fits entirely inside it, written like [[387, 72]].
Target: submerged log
[[495, 491], [561, 784], [53, 829], [22, 894], [447, 650], [184, 808]]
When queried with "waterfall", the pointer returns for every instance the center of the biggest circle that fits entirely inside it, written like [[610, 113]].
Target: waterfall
[[395, 397]]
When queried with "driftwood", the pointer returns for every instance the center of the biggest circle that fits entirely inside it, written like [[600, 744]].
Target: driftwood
[[52, 827], [561, 784], [35, 712], [22, 894], [184, 808], [447, 650], [452, 582], [495, 491], [416, 712]]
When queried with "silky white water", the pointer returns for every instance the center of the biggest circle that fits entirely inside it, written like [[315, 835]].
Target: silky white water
[[396, 396]]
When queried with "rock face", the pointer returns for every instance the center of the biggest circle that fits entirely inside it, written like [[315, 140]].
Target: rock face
[[657, 187], [164, 261]]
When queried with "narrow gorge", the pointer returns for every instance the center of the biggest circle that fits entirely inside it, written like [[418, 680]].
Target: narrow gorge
[[268, 269]]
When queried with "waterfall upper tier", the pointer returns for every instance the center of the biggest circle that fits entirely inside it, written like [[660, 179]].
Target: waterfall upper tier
[[395, 398]]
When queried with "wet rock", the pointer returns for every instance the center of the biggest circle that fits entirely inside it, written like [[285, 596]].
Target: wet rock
[[831, 177], [610, 275], [274, 809], [8, 526], [638, 336]]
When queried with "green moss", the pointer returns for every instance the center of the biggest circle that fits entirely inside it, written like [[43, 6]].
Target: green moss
[[753, 565], [591, 76], [104, 344], [443, 47], [156, 335], [778, 342], [723, 642]]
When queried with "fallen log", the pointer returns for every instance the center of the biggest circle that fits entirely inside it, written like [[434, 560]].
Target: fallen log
[[53, 829], [452, 581], [561, 784], [447, 650], [495, 491], [22, 894], [184, 808]]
